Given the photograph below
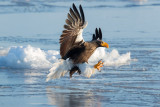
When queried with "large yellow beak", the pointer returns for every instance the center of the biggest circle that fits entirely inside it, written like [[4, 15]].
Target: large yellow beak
[[104, 44]]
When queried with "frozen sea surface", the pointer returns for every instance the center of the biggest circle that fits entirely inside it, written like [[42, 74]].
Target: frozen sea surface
[[29, 44]]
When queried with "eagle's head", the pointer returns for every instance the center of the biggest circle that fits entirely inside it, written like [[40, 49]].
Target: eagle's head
[[101, 43], [97, 38]]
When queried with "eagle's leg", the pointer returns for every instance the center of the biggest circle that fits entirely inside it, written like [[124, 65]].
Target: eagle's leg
[[98, 65], [73, 70]]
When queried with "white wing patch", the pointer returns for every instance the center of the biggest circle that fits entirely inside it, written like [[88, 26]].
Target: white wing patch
[[79, 37]]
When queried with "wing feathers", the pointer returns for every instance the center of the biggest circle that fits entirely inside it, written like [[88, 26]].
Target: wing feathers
[[97, 35], [73, 14], [67, 27], [70, 18], [100, 34], [82, 14], [72, 35], [68, 22], [93, 37], [76, 11], [67, 31]]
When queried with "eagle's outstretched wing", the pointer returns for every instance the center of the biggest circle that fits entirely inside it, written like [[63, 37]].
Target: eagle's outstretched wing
[[75, 23]]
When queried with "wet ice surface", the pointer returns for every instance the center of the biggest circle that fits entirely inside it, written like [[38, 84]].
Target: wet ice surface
[[127, 26]]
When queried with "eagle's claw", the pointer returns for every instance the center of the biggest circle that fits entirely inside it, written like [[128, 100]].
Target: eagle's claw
[[99, 65]]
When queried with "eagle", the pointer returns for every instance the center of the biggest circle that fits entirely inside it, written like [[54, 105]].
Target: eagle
[[72, 44]]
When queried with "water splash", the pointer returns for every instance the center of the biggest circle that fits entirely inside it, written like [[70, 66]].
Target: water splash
[[28, 57], [112, 58]]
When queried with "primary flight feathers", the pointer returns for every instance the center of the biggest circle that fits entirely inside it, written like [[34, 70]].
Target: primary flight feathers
[[75, 23], [98, 35]]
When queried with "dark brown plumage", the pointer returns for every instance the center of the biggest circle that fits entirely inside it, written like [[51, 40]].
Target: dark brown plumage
[[81, 53]]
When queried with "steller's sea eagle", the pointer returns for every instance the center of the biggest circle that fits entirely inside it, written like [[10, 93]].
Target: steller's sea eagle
[[72, 44]]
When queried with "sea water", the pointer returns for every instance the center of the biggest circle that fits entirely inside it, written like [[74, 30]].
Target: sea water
[[29, 47]]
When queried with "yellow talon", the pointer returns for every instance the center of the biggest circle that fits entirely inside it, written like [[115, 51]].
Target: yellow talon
[[99, 65]]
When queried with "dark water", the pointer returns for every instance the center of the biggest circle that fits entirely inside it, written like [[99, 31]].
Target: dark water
[[127, 25]]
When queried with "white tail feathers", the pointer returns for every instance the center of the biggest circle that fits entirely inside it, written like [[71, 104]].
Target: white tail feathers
[[59, 69]]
